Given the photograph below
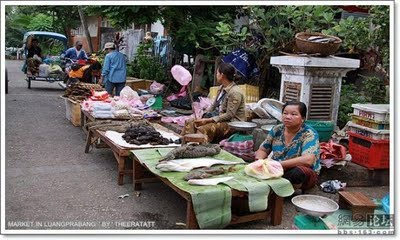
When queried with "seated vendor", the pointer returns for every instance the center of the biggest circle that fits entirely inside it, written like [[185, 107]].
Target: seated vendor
[[34, 49], [33, 57], [295, 145], [228, 106]]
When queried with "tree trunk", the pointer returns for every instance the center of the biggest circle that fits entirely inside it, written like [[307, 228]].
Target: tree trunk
[[85, 27]]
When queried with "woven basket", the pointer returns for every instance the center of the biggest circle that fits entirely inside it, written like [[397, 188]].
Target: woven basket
[[325, 49]]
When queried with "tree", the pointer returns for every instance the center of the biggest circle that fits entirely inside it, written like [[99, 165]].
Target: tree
[[64, 17], [123, 16], [85, 27], [187, 26]]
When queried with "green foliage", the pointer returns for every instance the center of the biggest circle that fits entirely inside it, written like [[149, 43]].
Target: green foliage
[[279, 24], [41, 22], [123, 16], [194, 26], [373, 91], [349, 95], [146, 66], [362, 33], [20, 19]]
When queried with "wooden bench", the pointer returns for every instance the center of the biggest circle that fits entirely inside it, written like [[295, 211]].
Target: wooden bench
[[360, 205], [121, 154]]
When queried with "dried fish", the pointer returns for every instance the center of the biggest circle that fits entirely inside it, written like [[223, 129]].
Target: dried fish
[[322, 40], [144, 133], [204, 173], [192, 151]]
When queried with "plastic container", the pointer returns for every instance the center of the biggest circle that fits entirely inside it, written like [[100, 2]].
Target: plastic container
[[304, 222], [367, 152], [369, 132], [158, 104], [44, 70], [378, 112], [386, 204], [324, 129], [366, 122]]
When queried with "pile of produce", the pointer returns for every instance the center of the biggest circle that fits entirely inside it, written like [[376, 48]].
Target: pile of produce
[[80, 91], [139, 134]]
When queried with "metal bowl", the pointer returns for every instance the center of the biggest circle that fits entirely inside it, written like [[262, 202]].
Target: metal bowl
[[267, 128], [242, 126], [314, 205]]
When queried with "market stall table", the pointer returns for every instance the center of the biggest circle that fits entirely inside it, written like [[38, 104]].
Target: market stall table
[[122, 153], [144, 171], [86, 117]]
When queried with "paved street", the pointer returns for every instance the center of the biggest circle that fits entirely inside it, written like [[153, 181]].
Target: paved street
[[50, 179]]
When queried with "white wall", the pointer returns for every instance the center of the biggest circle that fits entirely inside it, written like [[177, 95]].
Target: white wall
[[157, 27]]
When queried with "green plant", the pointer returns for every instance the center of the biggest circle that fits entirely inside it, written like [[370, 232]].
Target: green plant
[[349, 95], [362, 34], [146, 66], [374, 90]]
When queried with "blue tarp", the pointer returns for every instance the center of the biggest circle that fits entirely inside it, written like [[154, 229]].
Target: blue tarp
[[54, 35]]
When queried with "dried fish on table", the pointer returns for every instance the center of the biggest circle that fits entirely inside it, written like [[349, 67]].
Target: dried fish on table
[[192, 151], [144, 133], [80, 91], [204, 173]]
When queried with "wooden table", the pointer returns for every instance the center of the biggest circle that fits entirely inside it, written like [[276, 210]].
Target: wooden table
[[239, 206], [121, 154], [86, 118]]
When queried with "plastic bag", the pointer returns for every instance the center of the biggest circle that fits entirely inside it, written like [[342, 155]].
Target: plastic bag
[[264, 169], [156, 88], [181, 75], [128, 93]]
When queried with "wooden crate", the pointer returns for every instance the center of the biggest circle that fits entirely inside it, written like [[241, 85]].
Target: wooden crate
[[136, 83], [73, 112], [251, 93]]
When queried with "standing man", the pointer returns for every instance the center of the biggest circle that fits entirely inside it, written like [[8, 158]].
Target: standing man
[[113, 74], [76, 53]]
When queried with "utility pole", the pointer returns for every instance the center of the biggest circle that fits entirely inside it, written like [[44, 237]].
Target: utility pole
[[85, 27]]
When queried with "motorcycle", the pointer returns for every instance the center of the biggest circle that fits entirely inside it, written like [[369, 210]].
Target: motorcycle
[[88, 71]]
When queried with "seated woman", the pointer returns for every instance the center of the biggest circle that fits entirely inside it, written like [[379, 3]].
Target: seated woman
[[228, 106], [295, 145]]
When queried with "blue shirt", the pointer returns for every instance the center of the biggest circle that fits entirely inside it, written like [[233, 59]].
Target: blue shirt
[[305, 142], [71, 53], [114, 69]]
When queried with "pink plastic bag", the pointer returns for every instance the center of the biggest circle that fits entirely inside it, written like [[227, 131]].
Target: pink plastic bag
[[198, 111], [156, 88], [181, 75], [205, 102], [182, 93]]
